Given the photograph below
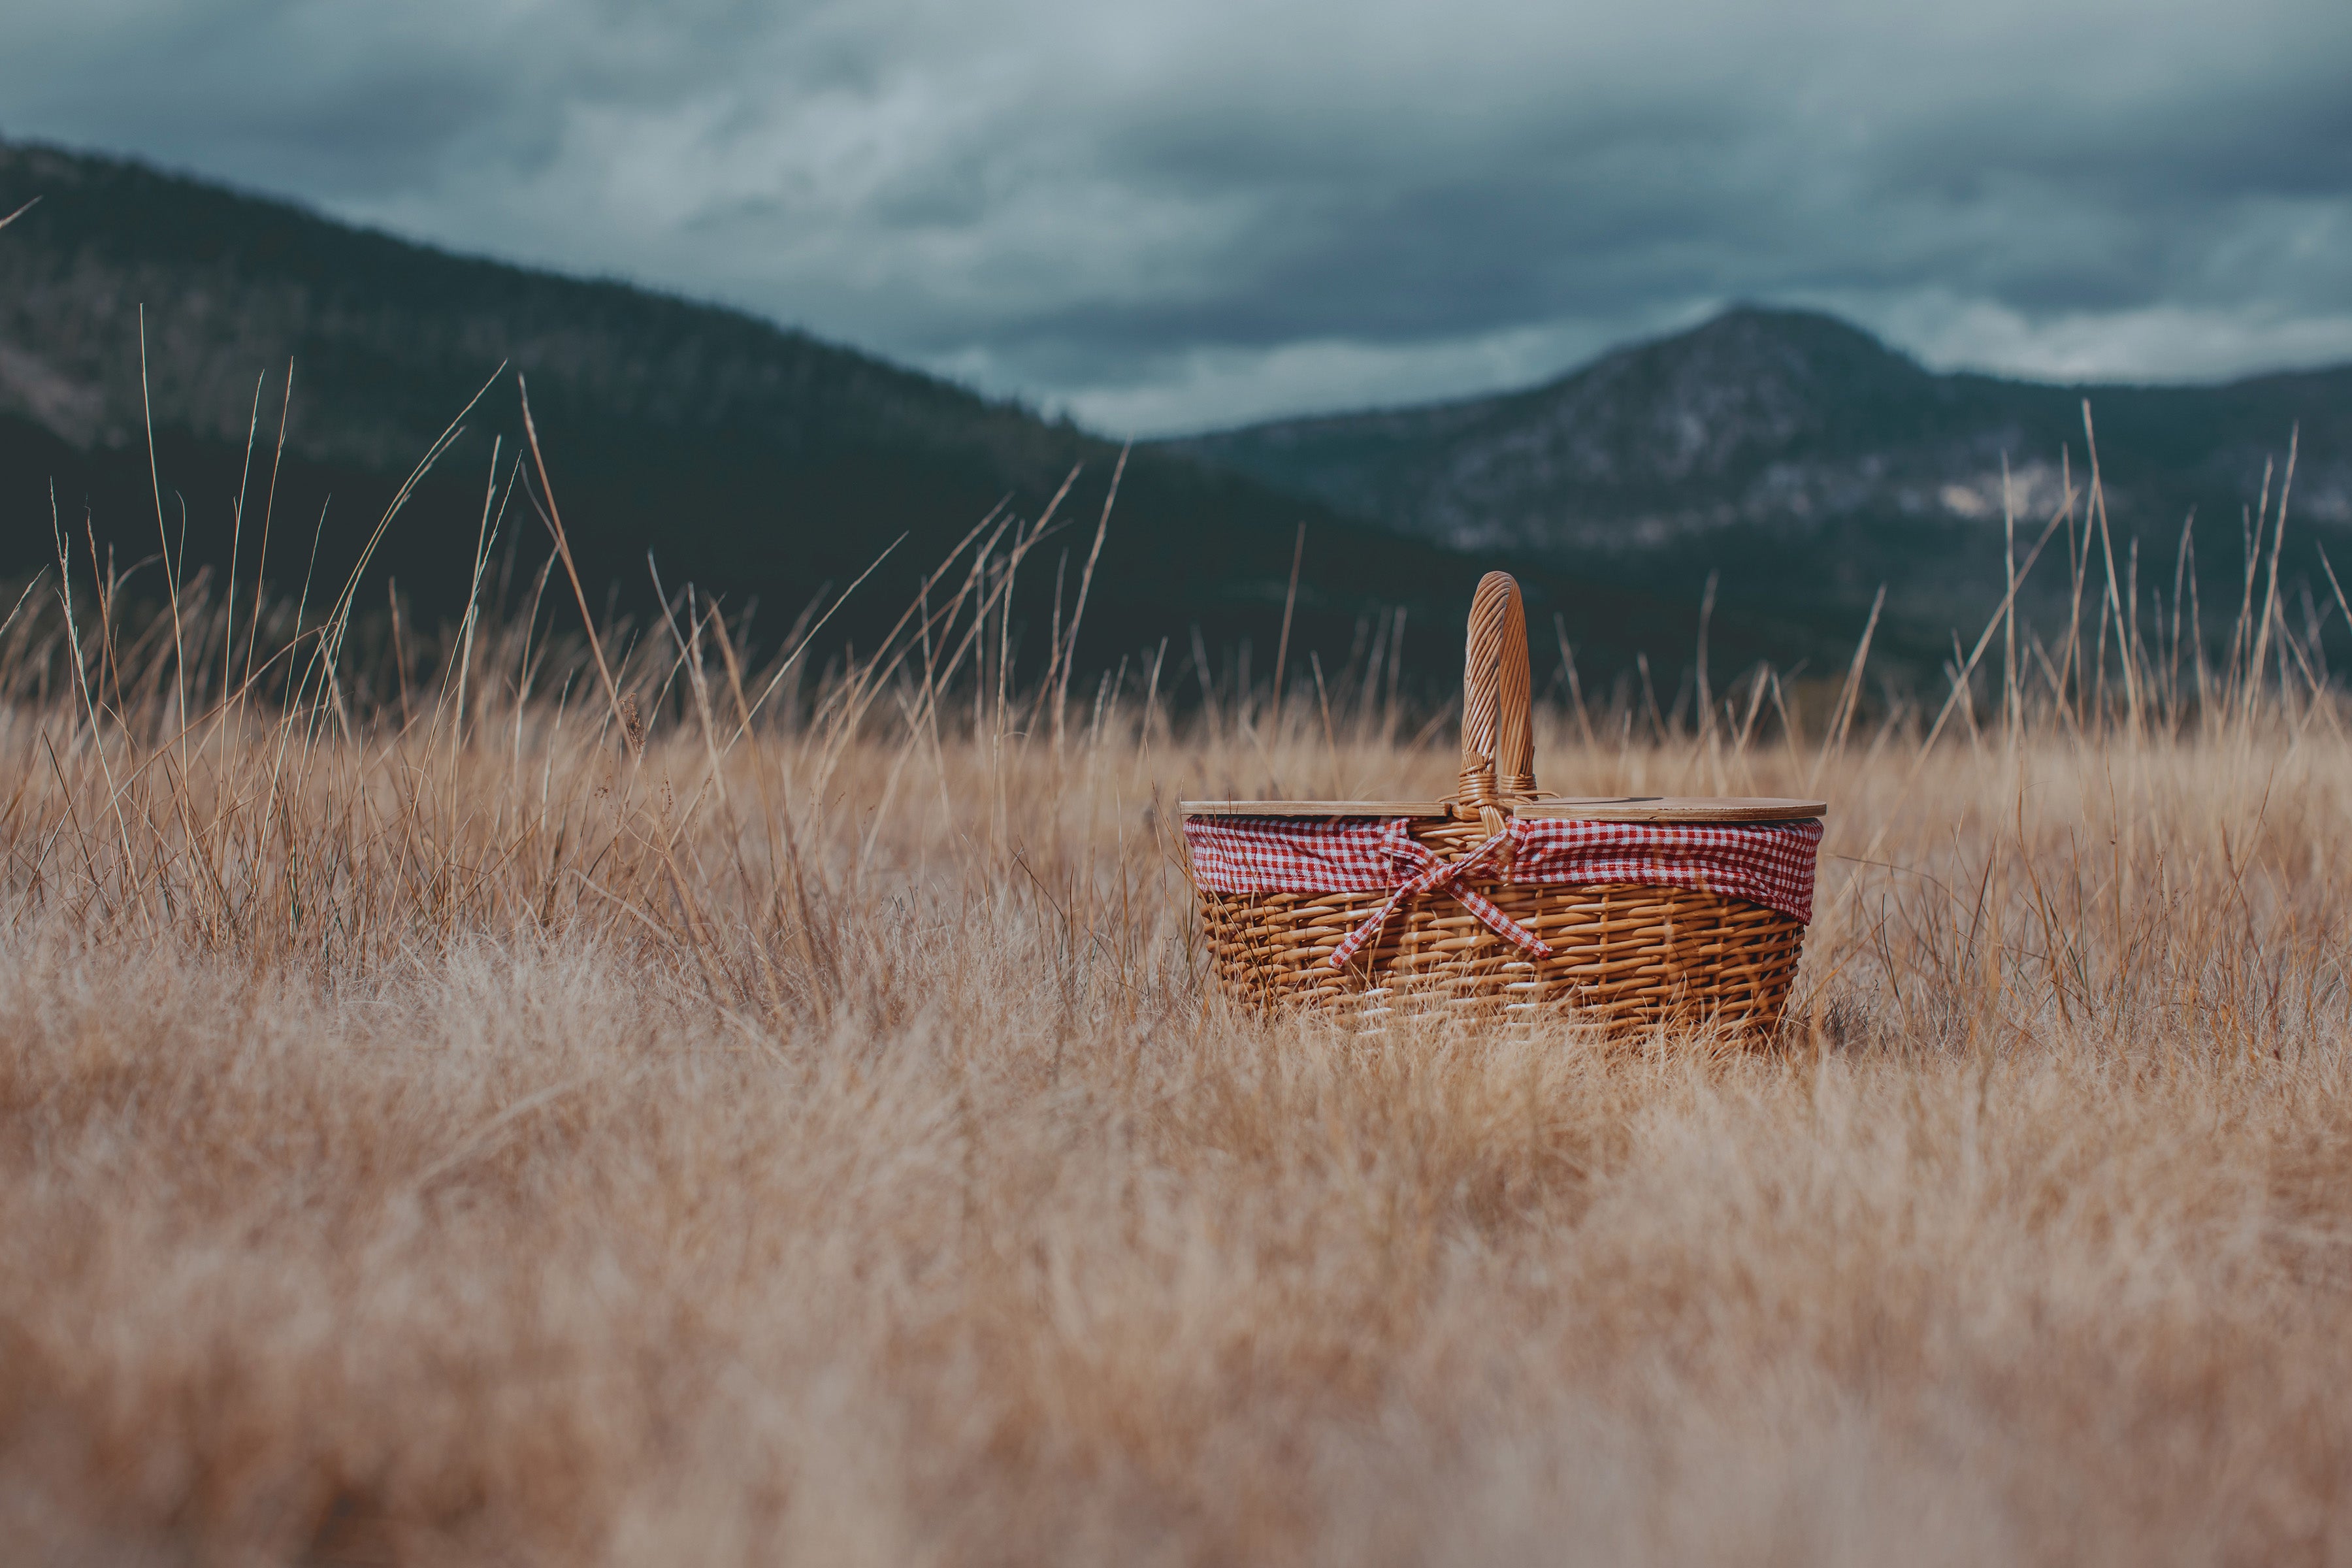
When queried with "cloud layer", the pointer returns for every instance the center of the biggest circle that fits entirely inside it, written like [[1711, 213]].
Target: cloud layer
[[1163, 216]]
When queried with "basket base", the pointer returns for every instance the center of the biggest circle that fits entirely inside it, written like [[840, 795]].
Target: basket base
[[1625, 958]]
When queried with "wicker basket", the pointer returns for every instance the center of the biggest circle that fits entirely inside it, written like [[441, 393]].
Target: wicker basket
[[1621, 913]]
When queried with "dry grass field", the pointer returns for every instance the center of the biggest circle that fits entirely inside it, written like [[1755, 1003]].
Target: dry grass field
[[483, 1113]]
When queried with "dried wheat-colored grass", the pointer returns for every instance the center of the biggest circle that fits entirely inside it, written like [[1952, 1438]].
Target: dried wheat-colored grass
[[489, 1141]]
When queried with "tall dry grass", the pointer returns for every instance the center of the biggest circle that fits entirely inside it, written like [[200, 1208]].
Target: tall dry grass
[[508, 1099]]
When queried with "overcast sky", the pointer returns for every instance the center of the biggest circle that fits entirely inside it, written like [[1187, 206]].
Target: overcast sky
[[1168, 216]]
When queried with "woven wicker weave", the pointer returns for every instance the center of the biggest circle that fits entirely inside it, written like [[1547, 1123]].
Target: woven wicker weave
[[1623, 956]]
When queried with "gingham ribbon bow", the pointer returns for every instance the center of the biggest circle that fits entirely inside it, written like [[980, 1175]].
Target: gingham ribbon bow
[[1431, 875]]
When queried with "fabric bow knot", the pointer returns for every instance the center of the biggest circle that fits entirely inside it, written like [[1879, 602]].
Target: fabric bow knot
[[1428, 874]]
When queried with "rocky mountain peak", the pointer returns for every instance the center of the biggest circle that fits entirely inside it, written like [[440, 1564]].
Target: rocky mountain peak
[[1728, 396]]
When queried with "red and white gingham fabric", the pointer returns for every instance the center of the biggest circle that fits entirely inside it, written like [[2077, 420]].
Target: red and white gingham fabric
[[1770, 864], [1767, 863]]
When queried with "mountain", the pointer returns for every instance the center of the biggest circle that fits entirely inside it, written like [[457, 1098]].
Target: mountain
[[1796, 459], [754, 460], [1806, 461]]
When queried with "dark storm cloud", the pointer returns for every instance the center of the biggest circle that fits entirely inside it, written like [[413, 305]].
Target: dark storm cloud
[[1165, 215]]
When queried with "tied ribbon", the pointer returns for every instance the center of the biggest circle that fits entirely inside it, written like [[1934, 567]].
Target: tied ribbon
[[1428, 874]]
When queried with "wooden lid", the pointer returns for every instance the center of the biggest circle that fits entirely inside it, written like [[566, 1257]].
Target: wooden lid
[[1315, 807], [1676, 809], [1598, 808]]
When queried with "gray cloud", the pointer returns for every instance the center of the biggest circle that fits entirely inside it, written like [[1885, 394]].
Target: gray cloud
[[1165, 217]]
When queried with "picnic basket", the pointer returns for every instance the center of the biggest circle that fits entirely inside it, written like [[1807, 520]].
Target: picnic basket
[[1619, 913]]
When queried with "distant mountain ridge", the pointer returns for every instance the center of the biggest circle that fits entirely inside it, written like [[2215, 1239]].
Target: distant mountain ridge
[[1787, 416], [1788, 455]]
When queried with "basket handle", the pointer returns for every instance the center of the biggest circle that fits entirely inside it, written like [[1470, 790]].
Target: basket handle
[[1498, 755]]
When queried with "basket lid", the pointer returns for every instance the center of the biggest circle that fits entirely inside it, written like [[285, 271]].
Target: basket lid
[[1595, 808], [1676, 809], [1315, 807]]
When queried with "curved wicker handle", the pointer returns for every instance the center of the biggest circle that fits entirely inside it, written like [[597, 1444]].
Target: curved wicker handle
[[1498, 755]]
